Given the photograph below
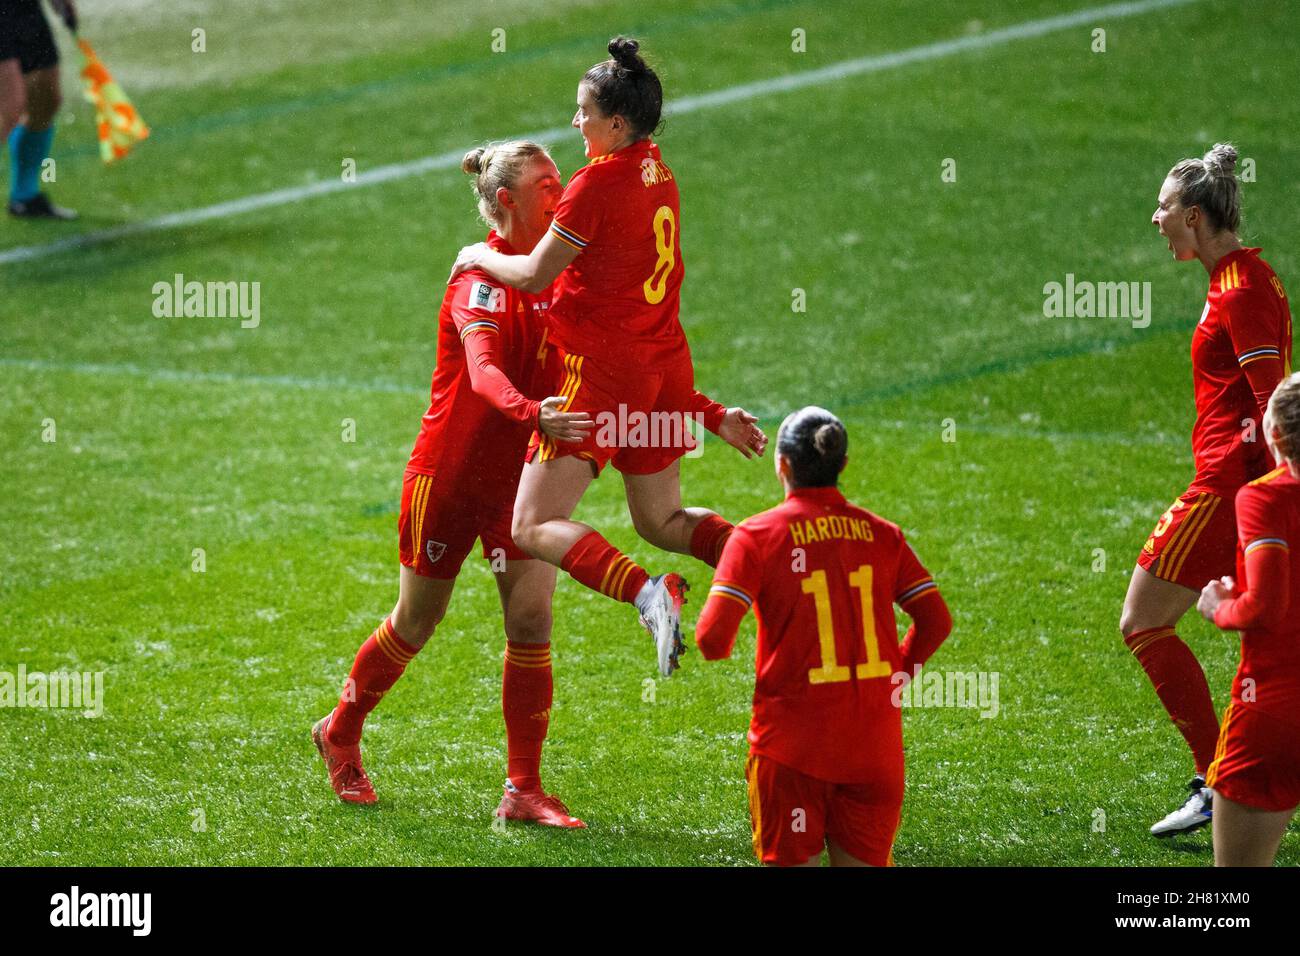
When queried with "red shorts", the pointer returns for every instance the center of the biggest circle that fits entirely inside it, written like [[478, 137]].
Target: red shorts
[[792, 815], [436, 530], [1257, 762], [1194, 542], [642, 418]]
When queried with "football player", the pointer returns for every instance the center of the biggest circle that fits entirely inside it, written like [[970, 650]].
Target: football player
[[1255, 775], [614, 253], [825, 766], [1241, 349], [489, 392]]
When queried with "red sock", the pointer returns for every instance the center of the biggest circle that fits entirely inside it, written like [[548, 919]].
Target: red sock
[[1180, 684], [709, 537], [599, 565], [526, 704], [379, 663]]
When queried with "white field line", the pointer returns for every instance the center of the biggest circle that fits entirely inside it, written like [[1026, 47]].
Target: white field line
[[680, 107], [185, 377]]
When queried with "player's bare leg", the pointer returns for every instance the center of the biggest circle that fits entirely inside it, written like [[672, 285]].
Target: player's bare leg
[[13, 97], [526, 588], [421, 604], [1153, 602], [655, 504], [842, 857], [548, 494], [549, 491], [43, 96], [1152, 607], [1244, 836]]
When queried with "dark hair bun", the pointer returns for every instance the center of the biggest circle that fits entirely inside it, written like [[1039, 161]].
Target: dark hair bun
[[625, 85], [624, 51], [829, 440]]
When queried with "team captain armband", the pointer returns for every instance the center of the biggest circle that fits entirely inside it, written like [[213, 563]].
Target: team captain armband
[[567, 236], [484, 325], [915, 590], [1254, 355], [727, 590], [1260, 543]]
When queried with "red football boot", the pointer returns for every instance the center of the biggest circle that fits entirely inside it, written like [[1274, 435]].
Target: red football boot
[[344, 765], [538, 807]]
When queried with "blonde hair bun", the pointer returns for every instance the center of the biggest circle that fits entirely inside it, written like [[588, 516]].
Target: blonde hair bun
[[1211, 183], [473, 161], [1221, 160]]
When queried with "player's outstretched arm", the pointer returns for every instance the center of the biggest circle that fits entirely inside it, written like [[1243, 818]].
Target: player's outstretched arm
[[1265, 603], [736, 584], [735, 426], [715, 632], [918, 595], [530, 273], [931, 625], [1268, 569], [740, 430], [494, 386], [554, 422]]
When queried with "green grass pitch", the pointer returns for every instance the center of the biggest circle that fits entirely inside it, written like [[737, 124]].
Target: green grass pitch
[[924, 304]]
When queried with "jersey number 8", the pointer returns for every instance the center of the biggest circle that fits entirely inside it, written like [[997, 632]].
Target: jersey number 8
[[666, 245]]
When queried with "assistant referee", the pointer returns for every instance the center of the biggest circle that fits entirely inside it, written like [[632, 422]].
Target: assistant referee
[[29, 99]]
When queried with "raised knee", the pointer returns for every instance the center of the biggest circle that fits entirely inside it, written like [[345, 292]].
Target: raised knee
[[644, 527], [653, 529], [524, 532]]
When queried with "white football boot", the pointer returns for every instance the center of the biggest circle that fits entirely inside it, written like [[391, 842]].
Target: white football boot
[[660, 603], [1196, 811]]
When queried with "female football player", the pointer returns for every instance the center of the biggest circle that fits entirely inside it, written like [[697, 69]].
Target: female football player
[[460, 485], [825, 765], [1241, 349], [615, 247], [1256, 770]]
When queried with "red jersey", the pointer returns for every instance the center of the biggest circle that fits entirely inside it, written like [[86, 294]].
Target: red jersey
[[1268, 585], [617, 302], [472, 439], [823, 576], [1240, 351]]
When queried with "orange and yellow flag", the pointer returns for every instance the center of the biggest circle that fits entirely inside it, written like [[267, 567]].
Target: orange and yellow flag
[[120, 126]]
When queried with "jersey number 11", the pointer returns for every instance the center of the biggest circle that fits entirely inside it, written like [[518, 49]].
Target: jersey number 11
[[832, 671]]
